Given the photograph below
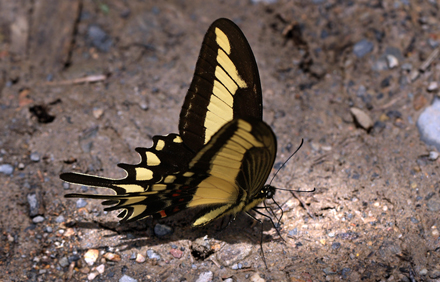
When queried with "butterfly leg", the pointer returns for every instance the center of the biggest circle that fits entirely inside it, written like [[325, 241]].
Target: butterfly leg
[[261, 234], [276, 226]]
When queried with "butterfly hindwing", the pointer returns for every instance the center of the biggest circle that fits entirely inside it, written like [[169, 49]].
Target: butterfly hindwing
[[226, 85], [225, 177], [239, 159], [167, 155]]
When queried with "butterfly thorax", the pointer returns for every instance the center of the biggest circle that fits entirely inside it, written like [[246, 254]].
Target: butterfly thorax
[[266, 192]]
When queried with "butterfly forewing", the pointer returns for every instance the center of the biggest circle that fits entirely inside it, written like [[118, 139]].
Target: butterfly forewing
[[226, 85]]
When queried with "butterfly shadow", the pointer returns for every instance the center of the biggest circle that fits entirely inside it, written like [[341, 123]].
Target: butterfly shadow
[[138, 234]]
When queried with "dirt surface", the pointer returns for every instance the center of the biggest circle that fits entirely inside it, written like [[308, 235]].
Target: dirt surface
[[374, 215]]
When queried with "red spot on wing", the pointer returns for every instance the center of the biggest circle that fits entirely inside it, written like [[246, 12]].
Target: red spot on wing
[[176, 209], [163, 213], [175, 195]]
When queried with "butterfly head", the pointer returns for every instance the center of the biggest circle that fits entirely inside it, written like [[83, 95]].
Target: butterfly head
[[267, 192]]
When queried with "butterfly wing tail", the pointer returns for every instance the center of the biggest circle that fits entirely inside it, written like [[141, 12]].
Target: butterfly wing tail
[[94, 181]]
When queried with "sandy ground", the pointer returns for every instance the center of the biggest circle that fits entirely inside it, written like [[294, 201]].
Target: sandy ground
[[374, 215]]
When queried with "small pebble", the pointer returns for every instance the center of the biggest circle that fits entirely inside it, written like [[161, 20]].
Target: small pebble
[[38, 219], [112, 257], [293, 232], [362, 48], [99, 38], [126, 278], [362, 118], [80, 203], [392, 61], [414, 220], [433, 205], [346, 271], [424, 271], [406, 67], [328, 271], [92, 275], [66, 185], [336, 245], [35, 157], [6, 169], [48, 229], [176, 253], [205, 277], [97, 112], [63, 262], [59, 219], [153, 255], [100, 268], [433, 86], [428, 123], [143, 105], [35, 204], [162, 230], [433, 156], [69, 232], [433, 43], [256, 278], [140, 258], [91, 256]]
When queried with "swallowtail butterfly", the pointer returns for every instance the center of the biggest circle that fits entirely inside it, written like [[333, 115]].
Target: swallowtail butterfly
[[223, 154]]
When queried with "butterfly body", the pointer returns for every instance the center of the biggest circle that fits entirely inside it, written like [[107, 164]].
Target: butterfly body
[[224, 152]]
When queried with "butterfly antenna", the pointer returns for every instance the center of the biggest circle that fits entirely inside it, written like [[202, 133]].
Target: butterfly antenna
[[276, 173]]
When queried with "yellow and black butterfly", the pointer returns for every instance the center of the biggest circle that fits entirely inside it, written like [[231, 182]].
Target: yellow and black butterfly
[[223, 154]]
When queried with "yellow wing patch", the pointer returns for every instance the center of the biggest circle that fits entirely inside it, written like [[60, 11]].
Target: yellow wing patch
[[131, 188], [222, 40], [152, 159], [214, 190], [143, 173], [160, 145], [169, 179]]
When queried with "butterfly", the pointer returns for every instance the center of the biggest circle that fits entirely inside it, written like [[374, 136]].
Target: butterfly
[[224, 152]]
